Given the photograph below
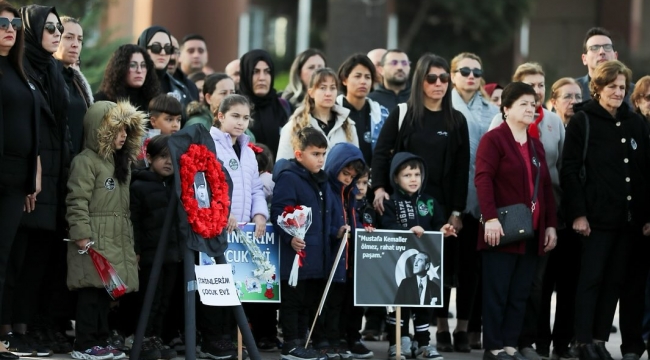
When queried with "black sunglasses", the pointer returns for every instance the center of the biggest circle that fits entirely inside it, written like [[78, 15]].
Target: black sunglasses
[[465, 72], [433, 78], [157, 49], [16, 23], [52, 28]]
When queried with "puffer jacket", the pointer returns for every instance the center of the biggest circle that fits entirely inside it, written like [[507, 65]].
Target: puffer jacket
[[335, 136], [295, 185], [248, 197], [343, 205], [150, 195], [199, 113], [98, 204]]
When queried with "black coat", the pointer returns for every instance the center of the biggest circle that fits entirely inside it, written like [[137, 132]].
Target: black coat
[[617, 165], [55, 151], [149, 201]]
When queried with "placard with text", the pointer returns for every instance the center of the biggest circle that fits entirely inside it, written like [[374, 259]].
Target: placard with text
[[396, 268]]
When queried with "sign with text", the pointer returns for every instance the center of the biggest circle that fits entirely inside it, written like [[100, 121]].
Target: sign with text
[[396, 268], [215, 285], [255, 263]]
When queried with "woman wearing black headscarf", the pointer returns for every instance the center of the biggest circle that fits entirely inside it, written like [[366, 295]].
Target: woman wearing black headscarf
[[157, 41], [270, 112], [41, 230], [19, 183]]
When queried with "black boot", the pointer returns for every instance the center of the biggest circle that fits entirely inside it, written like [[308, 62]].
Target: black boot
[[588, 352]]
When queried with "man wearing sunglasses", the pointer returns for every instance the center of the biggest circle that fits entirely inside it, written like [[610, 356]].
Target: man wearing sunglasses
[[598, 48], [395, 88]]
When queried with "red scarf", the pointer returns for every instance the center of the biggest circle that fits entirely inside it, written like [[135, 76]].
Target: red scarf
[[533, 129]]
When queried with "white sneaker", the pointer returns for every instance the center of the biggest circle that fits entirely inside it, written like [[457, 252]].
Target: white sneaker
[[428, 352], [406, 347], [392, 353]]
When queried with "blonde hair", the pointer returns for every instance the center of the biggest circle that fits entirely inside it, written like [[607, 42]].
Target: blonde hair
[[640, 89], [606, 73], [555, 89], [301, 119], [468, 55], [525, 69]]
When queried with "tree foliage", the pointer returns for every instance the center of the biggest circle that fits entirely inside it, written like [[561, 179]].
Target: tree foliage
[[98, 45]]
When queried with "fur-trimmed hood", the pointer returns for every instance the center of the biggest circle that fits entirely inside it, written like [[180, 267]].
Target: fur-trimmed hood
[[103, 121]]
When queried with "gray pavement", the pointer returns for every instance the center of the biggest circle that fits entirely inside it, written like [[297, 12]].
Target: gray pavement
[[380, 348]]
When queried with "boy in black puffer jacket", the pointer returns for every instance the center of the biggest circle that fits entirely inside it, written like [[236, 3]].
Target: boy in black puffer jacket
[[151, 190]]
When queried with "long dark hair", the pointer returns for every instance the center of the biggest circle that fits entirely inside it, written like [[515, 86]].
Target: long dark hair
[[17, 51], [416, 100], [210, 84], [114, 82]]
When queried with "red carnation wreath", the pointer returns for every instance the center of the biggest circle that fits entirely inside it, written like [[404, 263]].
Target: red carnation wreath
[[207, 222]]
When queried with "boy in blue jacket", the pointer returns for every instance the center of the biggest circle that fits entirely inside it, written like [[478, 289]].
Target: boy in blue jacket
[[301, 181], [342, 320]]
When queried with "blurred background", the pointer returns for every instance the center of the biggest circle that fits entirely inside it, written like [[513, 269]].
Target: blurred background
[[504, 33]]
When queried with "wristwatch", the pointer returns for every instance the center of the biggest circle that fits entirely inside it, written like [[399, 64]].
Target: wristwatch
[[455, 213]]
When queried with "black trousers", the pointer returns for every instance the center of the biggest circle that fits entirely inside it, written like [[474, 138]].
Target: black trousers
[[351, 316], [528, 335], [331, 320], [162, 297], [464, 265], [375, 318], [562, 277], [28, 296], [507, 280], [215, 322], [602, 267], [298, 306], [420, 315], [13, 177], [91, 328], [632, 301], [263, 318]]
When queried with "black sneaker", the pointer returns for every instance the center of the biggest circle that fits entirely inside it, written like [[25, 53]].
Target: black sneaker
[[41, 349], [178, 343], [63, 345], [266, 344], [217, 350], [602, 352], [15, 344], [43, 338], [295, 350], [360, 351], [165, 351], [117, 341], [341, 348], [149, 351], [324, 348], [443, 341]]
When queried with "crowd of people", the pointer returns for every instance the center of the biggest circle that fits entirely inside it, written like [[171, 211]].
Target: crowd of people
[[366, 147]]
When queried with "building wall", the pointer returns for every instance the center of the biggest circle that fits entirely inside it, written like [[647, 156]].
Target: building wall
[[217, 21]]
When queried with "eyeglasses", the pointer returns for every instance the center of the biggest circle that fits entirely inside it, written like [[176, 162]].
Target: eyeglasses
[[569, 96], [433, 78], [134, 66], [465, 72], [52, 27], [396, 62], [606, 47], [157, 48], [16, 23]]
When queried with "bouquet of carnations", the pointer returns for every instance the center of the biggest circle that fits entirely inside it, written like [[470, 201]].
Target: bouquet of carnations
[[112, 281], [295, 221]]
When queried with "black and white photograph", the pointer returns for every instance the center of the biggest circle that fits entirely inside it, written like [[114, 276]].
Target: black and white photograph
[[396, 268]]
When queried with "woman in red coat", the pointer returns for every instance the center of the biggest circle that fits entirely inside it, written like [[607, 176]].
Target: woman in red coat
[[506, 167]]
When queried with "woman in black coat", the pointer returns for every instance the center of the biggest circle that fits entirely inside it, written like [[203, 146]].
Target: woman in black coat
[[41, 230], [608, 207], [19, 162], [434, 131]]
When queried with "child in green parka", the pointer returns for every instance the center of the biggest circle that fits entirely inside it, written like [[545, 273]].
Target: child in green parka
[[98, 212]]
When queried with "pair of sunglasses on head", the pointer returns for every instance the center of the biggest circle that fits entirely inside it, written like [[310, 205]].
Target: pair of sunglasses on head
[[17, 24], [157, 48]]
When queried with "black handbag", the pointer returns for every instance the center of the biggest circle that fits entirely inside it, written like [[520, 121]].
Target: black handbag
[[517, 220]]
